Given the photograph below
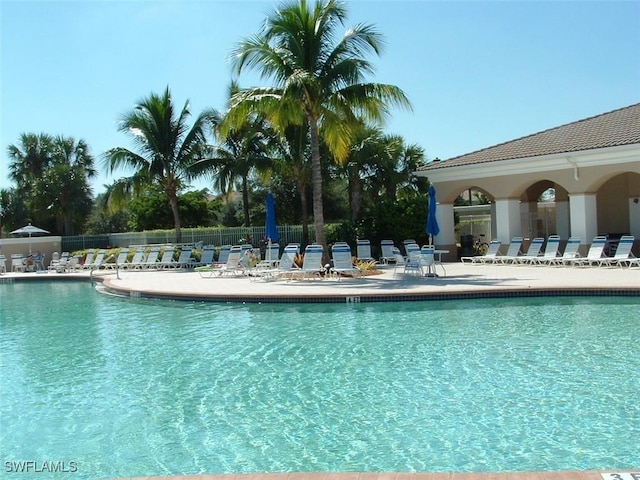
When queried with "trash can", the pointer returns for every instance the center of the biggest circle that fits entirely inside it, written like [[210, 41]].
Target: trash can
[[466, 245]]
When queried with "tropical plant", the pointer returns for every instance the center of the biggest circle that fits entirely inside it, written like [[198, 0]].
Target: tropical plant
[[318, 81], [167, 148], [240, 151], [52, 176], [29, 158], [150, 211]]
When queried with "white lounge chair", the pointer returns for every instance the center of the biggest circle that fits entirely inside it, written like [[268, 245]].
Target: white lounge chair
[[151, 262], [120, 260], [515, 249], [3, 264], [285, 266], [166, 260], [208, 252], [223, 254], [54, 264], [387, 253], [96, 263], [623, 253], [363, 250], [233, 266], [88, 259], [550, 254], [492, 251], [532, 252], [72, 264], [571, 251], [185, 260], [343, 261], [312, 263], [17, 262], [594, 255], [137, 260], [271, 256]]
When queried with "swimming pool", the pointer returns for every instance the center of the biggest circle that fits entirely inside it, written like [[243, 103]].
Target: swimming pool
[[127, 388]]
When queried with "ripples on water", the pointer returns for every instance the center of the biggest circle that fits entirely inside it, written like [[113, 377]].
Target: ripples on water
[[129, 388]]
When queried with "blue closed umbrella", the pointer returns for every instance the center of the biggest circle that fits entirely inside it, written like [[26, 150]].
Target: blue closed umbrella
[[270, 221], [432, 224]]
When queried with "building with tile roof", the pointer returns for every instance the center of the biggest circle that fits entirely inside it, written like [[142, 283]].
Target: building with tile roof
[[591, 165]]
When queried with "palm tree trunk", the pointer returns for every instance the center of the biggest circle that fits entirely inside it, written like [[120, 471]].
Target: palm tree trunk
[[304, 205], [173, 203], [316, 181], [245, 201], [355, 195]]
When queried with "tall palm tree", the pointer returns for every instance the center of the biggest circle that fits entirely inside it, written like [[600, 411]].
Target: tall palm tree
[[52, 177], [63, 189], [29, 158], [392, 172], [239, 152], [167, 149], [318, 80]]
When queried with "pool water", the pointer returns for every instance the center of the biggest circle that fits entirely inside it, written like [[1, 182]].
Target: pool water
[[130, 388]]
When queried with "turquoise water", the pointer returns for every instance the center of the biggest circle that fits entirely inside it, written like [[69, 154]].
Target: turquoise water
[[126, 388]]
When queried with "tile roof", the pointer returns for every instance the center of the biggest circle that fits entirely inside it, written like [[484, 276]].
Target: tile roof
[[611, 129]]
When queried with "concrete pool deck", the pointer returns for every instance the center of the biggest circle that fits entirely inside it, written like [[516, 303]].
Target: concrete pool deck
[[461, 281]]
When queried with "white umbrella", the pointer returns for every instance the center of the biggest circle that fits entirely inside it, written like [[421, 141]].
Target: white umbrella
[[29, 230]]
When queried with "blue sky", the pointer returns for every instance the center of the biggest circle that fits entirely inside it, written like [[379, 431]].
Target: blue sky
[[477, 73]]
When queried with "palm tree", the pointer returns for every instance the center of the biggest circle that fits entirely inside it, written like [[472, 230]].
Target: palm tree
[[392, 172], [318, 81], [167, 149], [63, 189], [29, 158], [240, 152], [52, 177]]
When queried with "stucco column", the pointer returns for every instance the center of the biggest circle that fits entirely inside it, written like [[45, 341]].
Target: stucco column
[[634, 217], [508, 219], [562, 219], [446, 239], [494, 223], [584, 219]]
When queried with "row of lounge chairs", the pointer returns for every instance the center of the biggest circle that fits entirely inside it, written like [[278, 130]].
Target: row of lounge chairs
[[143, 259], [551, 256], [285, 267], [151, 259]]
